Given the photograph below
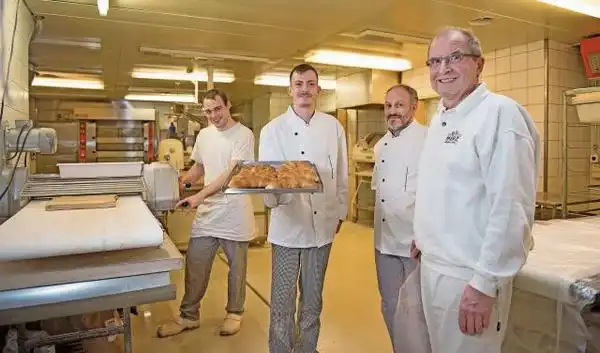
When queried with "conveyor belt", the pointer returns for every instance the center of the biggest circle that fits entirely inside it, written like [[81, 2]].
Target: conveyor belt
[[46, 186]]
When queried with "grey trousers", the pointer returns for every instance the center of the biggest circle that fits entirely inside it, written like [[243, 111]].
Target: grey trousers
[[198, 264], [287, 335], [392, 271]]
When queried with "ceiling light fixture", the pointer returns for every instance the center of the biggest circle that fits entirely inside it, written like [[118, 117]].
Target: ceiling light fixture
[[367, 61], [182, 75], [283, 80], [169, 98], [103, 7], [57, 82], [586, 7]]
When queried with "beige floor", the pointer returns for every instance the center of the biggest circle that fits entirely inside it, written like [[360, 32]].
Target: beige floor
[[351, 320]]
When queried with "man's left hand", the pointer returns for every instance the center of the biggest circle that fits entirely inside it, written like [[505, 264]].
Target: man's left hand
[[475, 310], [339, 226]]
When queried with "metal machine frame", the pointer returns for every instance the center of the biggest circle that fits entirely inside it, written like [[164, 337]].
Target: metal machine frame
[[40, 289]]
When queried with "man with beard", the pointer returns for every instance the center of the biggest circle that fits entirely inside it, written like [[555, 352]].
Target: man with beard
[[303, 226], [394, 181], [225, 221], [475, 203]]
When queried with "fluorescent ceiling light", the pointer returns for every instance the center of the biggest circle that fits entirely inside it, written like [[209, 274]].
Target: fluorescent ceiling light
[[586, 7], [182, 75], [67, 83], [339, 58], [283, 80], [103, 7], [171, 98], [90, 44]]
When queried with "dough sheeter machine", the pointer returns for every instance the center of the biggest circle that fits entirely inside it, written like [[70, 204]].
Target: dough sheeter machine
[[72, 262]]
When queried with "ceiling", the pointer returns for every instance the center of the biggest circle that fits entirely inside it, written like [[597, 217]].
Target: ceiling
[[250, 37]]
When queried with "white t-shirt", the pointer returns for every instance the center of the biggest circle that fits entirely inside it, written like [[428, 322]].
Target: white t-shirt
[[223, 216]]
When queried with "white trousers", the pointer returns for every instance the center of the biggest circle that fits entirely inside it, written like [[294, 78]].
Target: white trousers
[[441, 296]]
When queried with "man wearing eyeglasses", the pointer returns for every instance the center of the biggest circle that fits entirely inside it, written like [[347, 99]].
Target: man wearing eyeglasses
[[225, 221], [475, 203]]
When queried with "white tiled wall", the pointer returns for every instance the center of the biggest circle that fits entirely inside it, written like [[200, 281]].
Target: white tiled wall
[[519, 72], [17, 95], [566, 72]]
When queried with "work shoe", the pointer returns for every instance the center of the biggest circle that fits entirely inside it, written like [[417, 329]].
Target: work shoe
[[176, 327], [231, 325]]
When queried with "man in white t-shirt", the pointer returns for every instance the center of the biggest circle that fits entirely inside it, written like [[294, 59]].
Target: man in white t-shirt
[[221, 220]]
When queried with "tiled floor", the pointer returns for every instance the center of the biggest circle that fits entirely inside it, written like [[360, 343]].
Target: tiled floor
[[351, 320]]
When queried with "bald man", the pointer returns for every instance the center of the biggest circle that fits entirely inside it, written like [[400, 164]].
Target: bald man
[[394, 181]]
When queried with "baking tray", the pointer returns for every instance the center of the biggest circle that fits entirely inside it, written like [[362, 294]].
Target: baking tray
[[276, 164]]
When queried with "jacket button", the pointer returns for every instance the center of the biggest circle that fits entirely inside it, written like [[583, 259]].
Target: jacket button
[[383, 180], [315, 212], [382, 200], [295, 134], [385, 144], [383, 161], [302, 152], [383, 219], [443, 123]]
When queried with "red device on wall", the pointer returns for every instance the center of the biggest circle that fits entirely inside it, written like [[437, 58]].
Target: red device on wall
[[589, 49]]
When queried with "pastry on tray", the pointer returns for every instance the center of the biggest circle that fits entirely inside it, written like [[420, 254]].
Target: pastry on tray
[[290, 175]]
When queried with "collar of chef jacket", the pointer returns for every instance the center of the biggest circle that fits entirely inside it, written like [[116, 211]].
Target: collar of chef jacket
[[297, 118], [468, 103]]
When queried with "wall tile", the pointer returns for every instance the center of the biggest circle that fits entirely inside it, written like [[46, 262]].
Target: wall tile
[[535, 95], [535, 77], [518, 62], [502, 53], [518, 79], [533, 46], [489, 68], [519, 95], [535, 59], [519, 49], [503, 82], [502, 65], [537, 112]]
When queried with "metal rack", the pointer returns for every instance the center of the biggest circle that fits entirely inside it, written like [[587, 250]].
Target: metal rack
[[569, 199]]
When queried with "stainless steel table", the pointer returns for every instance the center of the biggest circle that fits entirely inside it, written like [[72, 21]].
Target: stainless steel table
[[41, 289]]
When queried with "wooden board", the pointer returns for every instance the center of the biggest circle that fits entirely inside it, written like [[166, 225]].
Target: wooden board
[[81, 202]]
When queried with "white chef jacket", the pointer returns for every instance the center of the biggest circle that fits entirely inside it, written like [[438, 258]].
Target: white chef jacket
[[395, 184], [476, 190], [223, 216], [308, 220]]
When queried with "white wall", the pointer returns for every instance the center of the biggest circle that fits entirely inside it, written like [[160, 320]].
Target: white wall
[[16, 102]]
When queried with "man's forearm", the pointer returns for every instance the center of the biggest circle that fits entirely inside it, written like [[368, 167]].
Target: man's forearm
[[194, 174], [215, 186]]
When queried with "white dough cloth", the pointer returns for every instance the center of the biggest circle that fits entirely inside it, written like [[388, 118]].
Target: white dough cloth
[[36, 233], [565, 254], [550, 293]]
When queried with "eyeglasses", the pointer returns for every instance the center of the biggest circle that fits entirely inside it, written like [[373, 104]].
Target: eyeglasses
[[449, 59]]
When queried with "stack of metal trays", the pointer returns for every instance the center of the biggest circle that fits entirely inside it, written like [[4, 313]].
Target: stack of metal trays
[[51, 185]]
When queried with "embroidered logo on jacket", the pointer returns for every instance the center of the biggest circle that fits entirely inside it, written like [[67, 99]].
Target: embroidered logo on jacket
[[453, 137]]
